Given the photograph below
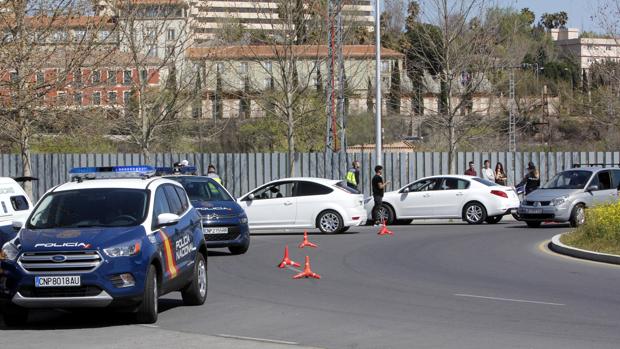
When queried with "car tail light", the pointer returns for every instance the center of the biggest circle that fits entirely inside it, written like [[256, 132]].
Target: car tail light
[[499, 193]]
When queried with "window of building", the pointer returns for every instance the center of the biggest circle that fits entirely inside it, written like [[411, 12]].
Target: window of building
[[127, 77], [243, 68], [385, 66], [144, 75], [77, 77], [103, 35], [96, 99], [126, 97], [61, 98], [268, 82], [170, 51], [111, 98], [196, 111], [95, 77], [77, 98], [59, 36], [609, 48], [14, 77], [268, 67], [111, 77], [40, 78], [171, 34], [79, 35], [219, 66], [152, 52]]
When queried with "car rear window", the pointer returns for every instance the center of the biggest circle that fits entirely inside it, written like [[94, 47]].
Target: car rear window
[[485, 182], [343, 185], [311, 188]]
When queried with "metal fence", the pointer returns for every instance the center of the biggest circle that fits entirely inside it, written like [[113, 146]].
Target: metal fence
[[242, 172]]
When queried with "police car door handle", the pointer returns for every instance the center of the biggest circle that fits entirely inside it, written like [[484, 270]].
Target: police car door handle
[[459, 194], [288, 203], [426, 195]]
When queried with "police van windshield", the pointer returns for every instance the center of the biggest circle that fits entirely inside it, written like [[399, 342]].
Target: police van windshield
[[106, 207], [569, 180], [203, 189]]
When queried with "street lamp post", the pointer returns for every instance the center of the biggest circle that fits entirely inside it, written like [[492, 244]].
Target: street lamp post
[[378, 133]]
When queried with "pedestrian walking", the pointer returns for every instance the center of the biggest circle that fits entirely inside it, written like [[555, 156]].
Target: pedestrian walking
[[500, 174], [212, 173], [471, 171], [353, 175], [378, 189], [487, 172]]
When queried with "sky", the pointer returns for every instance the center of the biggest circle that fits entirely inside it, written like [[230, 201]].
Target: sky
[[580, 12]]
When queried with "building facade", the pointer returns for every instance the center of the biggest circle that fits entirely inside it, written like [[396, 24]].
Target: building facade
[[586, 51]]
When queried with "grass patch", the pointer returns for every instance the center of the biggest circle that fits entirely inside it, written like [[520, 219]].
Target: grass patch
[[600, 233]]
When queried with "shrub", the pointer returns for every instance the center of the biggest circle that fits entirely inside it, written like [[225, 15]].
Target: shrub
[[601, 231]]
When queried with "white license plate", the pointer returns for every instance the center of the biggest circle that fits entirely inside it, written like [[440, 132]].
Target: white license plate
[[57, 281], [534, 210], [213, 231]]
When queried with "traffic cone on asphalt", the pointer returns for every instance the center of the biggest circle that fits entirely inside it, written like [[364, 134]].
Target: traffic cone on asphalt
[[307, 243], [287, 261], [384, 230], [307, 273]]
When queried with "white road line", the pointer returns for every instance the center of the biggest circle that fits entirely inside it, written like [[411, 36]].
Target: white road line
[[256, 339], [507, 299], [295, 269]]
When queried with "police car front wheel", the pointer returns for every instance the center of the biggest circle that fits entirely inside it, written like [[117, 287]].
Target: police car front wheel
[[147, 311], [196, 292]]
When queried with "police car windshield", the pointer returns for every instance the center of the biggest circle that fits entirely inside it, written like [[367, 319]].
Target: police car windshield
[[105, 207], [203, 189], [569, 180]]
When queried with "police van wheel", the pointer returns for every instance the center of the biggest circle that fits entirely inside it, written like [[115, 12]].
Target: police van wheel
[[15, 315], [196, 292], [147, 311]]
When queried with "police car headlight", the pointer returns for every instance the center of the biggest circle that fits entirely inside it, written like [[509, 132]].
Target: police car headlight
[[124, 250], [559, 201], [243, 219], [9, 252]]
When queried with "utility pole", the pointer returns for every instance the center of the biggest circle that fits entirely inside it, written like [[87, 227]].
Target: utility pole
[[335, 135], [512, 118], [378, 130]]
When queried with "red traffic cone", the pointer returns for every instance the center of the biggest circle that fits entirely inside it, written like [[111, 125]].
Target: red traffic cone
[[287, 261], [307, 243], [384, 230], [307, 273]]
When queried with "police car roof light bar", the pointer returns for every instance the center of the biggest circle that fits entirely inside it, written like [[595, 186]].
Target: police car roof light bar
[[81, 173]]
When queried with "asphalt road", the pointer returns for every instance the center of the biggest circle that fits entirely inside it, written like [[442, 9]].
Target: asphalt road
[[427, 286]]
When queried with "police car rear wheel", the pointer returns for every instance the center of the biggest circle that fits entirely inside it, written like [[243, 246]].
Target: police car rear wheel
[[15, 315], [147, 311], [196, 292]]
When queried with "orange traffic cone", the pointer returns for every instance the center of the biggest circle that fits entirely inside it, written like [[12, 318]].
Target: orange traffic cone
[[307, 273], [307, 243], [287, 261], [384, 230]]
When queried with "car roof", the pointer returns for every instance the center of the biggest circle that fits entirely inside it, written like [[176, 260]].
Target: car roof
[[324, 181], [7, 180], [591, 168], [127, 183]]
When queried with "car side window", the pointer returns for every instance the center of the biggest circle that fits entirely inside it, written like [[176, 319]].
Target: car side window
[[311, 188], [616, 179], [183, 197], [173, 200], [604, 180], [275, 191], [160, 204], [454, 184], [19, 203], [426, 184]]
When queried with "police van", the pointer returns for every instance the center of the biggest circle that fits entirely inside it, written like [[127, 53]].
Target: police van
[[14, 205], [113, 236]]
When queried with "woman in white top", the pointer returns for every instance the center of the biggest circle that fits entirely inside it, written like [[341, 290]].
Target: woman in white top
[[487, 171]]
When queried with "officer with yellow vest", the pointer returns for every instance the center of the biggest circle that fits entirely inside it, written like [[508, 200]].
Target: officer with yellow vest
[[211, 173], [353, 175]]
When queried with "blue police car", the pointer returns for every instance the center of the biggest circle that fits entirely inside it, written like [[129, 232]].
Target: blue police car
[[111, 237], [224, 222]]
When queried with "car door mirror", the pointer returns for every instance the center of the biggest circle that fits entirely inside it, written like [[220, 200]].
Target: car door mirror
[[18, 224], [167, 219], [251, 197], [405, 190], [592, 188]]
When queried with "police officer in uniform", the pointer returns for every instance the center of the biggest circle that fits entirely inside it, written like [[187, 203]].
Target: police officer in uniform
[[211, 173], [353, 176]]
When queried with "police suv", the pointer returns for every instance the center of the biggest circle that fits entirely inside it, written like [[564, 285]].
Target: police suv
[[112, 236]]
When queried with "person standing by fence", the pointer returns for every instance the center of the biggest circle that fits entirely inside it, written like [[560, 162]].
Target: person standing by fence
[[353, 175], [500, 174], [471, 171], [487, 172]]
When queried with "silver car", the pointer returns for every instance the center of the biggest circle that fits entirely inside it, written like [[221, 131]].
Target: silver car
[[565, 197]]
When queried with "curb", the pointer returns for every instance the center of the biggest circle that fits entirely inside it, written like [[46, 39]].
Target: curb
[[557, 246]]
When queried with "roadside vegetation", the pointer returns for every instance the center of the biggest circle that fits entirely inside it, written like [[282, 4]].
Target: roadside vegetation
[[600, 233]]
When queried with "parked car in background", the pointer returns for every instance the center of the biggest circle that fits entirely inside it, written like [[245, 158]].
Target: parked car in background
[[565, 197], [224, 222], [304, 203], [472, 199], [14, 205]]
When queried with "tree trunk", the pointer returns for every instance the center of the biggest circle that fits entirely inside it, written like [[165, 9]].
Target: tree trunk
[[291, 146], [452, 148], [24, 149]]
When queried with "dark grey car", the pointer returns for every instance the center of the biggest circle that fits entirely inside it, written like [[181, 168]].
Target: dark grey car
[[565, 197]]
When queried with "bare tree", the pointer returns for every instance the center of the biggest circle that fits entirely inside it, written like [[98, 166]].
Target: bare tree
[[43, 45], [456, 43]]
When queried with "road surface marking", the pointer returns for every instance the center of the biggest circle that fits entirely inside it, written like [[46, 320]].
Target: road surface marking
[[507, 299], [256, 339]]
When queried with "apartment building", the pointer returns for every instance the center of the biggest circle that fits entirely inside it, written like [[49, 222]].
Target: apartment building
[[586, 50], [211, 16]]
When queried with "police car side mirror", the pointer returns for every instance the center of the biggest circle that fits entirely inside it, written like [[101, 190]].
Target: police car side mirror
[[166, 219], [18, 224], [592, 188]]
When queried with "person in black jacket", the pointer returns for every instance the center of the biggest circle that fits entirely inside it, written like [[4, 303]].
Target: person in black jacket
[[378, 189]]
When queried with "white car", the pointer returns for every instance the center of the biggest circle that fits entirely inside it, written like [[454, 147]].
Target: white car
[[304, 203], [472, 199], [14, 205]]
